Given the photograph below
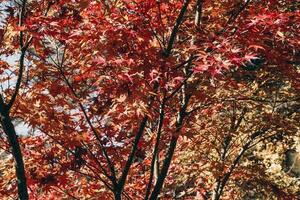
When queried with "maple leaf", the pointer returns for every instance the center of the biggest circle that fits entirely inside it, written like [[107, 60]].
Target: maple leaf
[[201, 68], [99, 60]]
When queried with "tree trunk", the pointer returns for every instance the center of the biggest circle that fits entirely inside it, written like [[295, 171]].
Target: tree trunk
[[164, 170], [118, 195], [9, 130]]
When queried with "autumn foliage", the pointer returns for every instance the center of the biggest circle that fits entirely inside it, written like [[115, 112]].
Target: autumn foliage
[[148, 99]]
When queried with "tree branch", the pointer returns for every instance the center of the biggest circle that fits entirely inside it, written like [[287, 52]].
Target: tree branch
[[234, 16], [222, 182], [111, 166], [156, 148], [198, 13], [129, 161], [176, 28], [166, 164]]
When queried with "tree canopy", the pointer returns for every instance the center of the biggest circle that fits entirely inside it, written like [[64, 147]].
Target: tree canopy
[[148, 99]]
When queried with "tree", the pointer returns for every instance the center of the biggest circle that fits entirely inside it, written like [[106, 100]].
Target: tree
[[8, 97], [112, 87], [237, 135]]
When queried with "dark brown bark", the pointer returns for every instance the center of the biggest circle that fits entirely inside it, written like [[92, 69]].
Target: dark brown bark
[[166, 164], [175, 30], [154, 162], [9, 130], [6, 121]]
